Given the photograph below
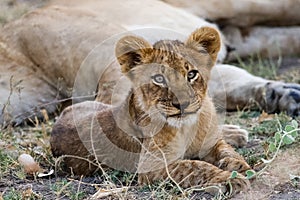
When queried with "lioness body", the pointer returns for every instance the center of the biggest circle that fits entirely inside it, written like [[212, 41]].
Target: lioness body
[[42, 52]]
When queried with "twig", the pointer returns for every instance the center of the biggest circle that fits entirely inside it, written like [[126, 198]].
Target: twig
[[101, 193]]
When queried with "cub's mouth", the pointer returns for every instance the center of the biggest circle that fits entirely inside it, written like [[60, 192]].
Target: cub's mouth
[[178, 114], [181, 115]]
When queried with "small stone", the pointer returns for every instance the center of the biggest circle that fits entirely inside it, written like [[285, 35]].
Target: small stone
[[30, 166]]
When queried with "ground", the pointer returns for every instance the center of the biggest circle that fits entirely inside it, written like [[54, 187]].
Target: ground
[[280, 180]]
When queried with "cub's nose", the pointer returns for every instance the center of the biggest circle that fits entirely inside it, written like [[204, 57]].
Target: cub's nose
[[181, 106]]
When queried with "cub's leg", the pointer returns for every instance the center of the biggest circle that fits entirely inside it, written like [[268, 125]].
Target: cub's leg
[[189, 173], [159, 163], [224, 156]]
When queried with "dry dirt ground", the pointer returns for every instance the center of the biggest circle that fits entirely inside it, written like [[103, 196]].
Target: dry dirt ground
[[279, 181]]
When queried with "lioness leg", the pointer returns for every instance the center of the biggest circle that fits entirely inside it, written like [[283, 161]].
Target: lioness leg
[[24, 95], [239, 89]]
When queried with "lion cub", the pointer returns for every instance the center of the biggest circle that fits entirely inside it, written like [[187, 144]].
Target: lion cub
[[166, 120]]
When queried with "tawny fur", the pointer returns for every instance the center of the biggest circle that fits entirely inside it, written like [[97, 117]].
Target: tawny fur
[[167, 118]]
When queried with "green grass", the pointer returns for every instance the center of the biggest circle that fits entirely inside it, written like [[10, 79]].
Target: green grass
[[160, 190], [283, 69], [259, 66], [67, 188], [13, 195], [7, 163]]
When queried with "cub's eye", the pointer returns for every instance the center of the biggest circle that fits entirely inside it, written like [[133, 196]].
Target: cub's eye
[[192, 75], [158, 79]]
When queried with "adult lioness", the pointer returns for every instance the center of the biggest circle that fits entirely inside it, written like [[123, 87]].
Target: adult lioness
[[166, 119], [40, 55]]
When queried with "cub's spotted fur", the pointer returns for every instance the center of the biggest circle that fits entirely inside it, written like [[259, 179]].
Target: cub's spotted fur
[[166, 120]]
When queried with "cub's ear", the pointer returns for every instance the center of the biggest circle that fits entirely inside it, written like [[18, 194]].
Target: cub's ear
[[132, 51], [207, 38]]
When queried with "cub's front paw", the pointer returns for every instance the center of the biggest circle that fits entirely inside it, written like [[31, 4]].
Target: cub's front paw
[[237, 185], [283, 97], [229, 186], [233, 164]]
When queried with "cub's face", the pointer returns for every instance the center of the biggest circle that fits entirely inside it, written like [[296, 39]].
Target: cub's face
[[170, 78]]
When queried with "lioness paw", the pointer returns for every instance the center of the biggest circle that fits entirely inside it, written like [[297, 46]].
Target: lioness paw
[[283, 97], [234, 135]]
